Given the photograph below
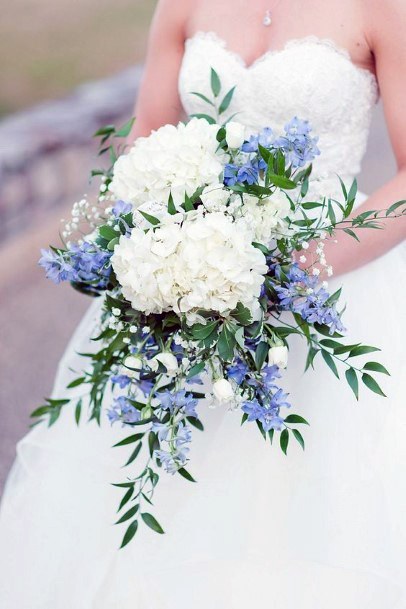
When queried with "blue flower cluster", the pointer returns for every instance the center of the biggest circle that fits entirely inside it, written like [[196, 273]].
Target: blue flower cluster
[[269, 399], [300, 293], [297, 145], [80, 263], [177, 455], [123, 410], [180, 401]]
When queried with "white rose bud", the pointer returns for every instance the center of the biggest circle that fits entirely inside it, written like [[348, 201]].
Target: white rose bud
[[278, 356], [223, 391], [235, 134], [166, 359], [132, 364]]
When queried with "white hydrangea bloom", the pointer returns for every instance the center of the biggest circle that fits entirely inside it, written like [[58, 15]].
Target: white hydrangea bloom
[[266, 217], [206, 262], [172, 159]]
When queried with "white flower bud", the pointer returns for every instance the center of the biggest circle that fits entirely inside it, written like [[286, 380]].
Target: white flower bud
[[223, 391], [278, 356], [166, 359], [134, 362], [235, 134]]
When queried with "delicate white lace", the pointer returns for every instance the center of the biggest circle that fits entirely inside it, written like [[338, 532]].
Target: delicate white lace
[[310, 77]]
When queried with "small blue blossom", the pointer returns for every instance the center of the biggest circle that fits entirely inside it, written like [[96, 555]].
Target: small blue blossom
[[123, 410], [237, 371], [57, 268], [121, 208], [122, 380], [178, 401], [297, 144]]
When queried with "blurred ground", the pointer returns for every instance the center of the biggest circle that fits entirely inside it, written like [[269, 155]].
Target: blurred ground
[[47, 48], [37, 318]]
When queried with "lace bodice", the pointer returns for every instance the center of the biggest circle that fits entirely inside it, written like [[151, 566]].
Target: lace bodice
[[310, 78]]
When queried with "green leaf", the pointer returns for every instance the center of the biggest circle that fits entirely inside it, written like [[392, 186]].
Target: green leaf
[[126, 498], [183, 472], [171, 205], [297, 419], [151, 219], [352, 380], [203, 97], [362, 350], [202, 331], [284, 440], [76, 382], [134, 454], [352, 234], [242, 314], [215, 82], [394, 207], [330, 362], [271, 434], [371, 383], [152, 522], [261, 353], [131, 512], [331, 344], [206, 117], [281, 181], [311, 205], [196, 369], [125, 129], [107, 232], [226, 101], [112, 244], [129, 440], [129, 534], [299, 437], [107, 130], [352, 193], [376, 367], [226, 343], [78, 411]]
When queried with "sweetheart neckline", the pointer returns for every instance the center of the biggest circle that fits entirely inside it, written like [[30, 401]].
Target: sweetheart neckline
[[293, 42]]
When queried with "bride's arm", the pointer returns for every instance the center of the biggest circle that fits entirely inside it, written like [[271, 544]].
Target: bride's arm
[[388, 44], [158, 101]]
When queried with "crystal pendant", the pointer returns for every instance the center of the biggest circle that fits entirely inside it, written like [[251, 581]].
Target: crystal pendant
[[267, 19]]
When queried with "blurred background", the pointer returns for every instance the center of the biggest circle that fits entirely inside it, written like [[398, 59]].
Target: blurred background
[[67, 67]]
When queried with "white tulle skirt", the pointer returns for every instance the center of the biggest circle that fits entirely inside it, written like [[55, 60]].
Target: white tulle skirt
[[323, 529]]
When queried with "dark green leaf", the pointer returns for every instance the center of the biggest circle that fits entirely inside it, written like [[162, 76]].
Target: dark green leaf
[[124, 131], [330, 362], [129, 440], [152, 522], [394, 207], [183, 472], [201, 331], [226, 343], [226, 101], [76, 382], [215, 82], [352, 380], [299, 437], [151, 219], [281, 181], [129, 534], [362, 350], [107, 232], [203, 97], [131, 512], [78, 411], [371, 383], [126, 498], [242, 315], [284, 440], [134, 454], [350, 232], [296, 418], [171, 205], [376, 367], [261, 353]]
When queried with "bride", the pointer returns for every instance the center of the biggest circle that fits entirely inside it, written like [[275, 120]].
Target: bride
[[324, 529]]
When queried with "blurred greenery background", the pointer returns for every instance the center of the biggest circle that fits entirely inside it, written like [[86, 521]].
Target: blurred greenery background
[[47, 48]]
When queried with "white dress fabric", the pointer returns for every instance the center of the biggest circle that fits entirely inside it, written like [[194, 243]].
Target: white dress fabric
[[323, 529]]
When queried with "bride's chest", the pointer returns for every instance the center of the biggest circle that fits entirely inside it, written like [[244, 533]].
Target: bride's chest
[[310, 78]]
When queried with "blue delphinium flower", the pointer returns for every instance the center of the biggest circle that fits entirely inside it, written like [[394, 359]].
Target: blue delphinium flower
[[299, 294], [122, 380], [178, 401], [57, 268], [177, 455], [91, 264], [123, 410], [297, 144], [237, 371], [121, 208], [265, 138], [230, 174], [266, 415]]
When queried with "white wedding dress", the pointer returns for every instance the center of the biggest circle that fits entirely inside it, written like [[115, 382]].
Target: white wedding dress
[[323, 529]]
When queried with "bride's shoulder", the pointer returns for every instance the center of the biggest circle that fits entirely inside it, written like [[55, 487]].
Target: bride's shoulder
[[385, 21], [176, 13]]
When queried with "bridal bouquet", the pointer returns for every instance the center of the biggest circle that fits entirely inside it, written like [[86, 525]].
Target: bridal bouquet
[[199, 249]]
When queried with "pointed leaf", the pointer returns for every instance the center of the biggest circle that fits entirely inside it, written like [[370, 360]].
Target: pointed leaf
[[376, 367], [215, 82], [371, 383], [129, 534], [352, 380], [152, 522], [299, 437], [284, 440]]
